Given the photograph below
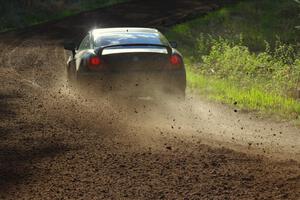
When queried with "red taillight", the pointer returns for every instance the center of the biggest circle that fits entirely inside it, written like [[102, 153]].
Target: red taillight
[[94, 63], [175, 60]]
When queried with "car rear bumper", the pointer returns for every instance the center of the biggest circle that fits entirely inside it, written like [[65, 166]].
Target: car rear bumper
[[136, 82]]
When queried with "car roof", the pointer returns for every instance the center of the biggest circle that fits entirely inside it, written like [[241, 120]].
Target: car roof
[[124, 30]]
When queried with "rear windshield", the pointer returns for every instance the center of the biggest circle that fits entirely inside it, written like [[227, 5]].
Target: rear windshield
[[107, 39]]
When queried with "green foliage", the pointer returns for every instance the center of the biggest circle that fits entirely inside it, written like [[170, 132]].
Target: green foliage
[[260, 81], [247, 53], [276, 71]]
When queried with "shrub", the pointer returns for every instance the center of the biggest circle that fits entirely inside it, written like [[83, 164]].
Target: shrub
[[276, 70], [247, 53]]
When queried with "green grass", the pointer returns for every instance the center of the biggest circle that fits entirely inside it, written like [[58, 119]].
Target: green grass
[[15, 14], [251, 98], [248, 53]]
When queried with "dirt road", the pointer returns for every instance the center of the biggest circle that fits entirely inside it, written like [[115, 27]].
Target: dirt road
[[56, 143]]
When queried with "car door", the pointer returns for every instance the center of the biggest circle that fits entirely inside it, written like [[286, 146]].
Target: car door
[[82, 50]]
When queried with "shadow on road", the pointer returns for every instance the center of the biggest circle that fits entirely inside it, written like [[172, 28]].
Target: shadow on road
[[20, 153], [16, 161], [5, 109]]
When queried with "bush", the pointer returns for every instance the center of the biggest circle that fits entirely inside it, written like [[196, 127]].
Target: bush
[[247, 53], [276, 70]]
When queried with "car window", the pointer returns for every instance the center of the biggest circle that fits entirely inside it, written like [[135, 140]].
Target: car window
[[85, 44], [107, 39]]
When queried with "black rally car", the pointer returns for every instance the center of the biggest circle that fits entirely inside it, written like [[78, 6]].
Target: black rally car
[[129, 60]]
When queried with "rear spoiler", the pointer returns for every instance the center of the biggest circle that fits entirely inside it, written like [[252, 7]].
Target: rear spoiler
[[100, 50]]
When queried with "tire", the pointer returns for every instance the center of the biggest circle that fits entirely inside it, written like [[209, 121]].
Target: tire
[[72, 77]]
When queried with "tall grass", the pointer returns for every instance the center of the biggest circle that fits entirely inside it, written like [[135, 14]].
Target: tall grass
[[252, 97], [277, 71], [248, 53]]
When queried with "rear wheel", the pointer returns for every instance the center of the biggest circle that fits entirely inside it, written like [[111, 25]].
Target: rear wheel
[[72, 77]]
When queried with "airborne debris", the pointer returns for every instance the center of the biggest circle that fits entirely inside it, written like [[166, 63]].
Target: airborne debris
[[169, 147]]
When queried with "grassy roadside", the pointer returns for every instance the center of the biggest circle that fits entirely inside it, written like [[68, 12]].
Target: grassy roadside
[[252, 98], [16, 14], [247, 55]]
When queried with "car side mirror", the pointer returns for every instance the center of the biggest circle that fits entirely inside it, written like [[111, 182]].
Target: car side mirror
[[173, 44], [70, 46]]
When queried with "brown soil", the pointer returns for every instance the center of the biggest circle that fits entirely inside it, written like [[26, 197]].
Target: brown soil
[[56, 143]]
